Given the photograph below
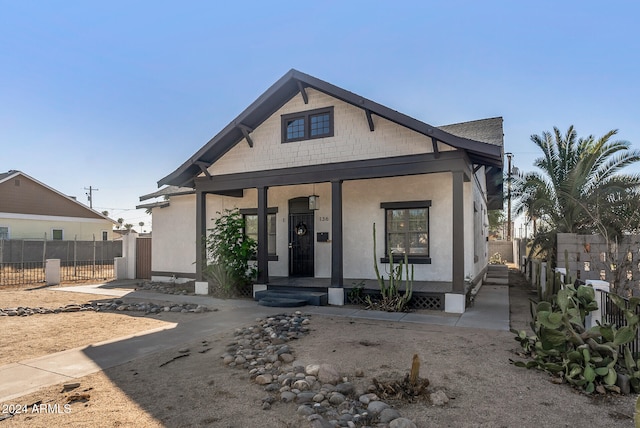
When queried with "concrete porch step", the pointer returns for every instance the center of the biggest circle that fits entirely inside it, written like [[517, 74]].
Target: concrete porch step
[[315, 298], [497, 274]]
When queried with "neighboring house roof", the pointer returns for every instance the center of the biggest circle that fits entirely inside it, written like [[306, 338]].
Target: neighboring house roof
[[485, 130], [295, 82], [41, 200]]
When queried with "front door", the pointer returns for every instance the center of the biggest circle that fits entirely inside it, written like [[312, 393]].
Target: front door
[[300, 238]]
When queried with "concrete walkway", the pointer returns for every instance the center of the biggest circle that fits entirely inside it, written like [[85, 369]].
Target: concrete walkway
[[490, 311]]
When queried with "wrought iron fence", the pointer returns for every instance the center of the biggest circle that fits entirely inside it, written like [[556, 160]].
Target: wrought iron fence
[[23, 262], [21, 273], [612, 314], [86, 270]]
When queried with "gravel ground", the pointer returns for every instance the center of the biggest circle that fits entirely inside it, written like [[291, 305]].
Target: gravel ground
[[470, 365]]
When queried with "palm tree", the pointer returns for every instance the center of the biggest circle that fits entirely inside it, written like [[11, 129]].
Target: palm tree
[[578, 181]]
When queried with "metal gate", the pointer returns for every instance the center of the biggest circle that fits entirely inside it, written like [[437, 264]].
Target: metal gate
[[143, 258]]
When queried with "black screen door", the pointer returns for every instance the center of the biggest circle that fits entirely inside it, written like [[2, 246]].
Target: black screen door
[[300, 238]]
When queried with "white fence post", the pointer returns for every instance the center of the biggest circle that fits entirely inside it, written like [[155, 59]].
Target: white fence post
[[120, 267], [52, 271], [592, 319], [129, 253], [543, 278]]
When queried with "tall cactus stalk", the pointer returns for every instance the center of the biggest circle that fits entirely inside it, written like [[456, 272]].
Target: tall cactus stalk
[[391, 297]]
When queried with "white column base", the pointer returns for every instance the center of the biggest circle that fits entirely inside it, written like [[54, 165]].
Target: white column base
[[336, 296], [454, 303], [258, 287], [202, 287]]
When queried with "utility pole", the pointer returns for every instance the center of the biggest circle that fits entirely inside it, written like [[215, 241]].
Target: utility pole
[[509, 156], [90, 195]]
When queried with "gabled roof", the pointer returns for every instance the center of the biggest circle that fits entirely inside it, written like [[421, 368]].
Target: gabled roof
[[290, 85], [6, 176]]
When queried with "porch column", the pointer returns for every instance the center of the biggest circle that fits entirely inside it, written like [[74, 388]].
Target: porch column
[[263, 237], [337, 275], [458, 232], [201, 234]]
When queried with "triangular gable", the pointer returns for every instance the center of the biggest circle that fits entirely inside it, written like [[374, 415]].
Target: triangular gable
[[293, 83], [39, 199]]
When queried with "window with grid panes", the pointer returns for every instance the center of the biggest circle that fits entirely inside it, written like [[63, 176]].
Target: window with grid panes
[[407, 230], [307, 125]]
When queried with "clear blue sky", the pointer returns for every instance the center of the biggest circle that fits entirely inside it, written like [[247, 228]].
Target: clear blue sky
[[118, 94]]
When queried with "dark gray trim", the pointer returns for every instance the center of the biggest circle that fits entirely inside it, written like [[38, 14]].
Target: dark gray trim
[[286, 88], [263, 237], [245, 133], [254, 211], [337, 250], [203, 167], [305, 97], [369, 119], [434, 144], [458, 232], [354, 170], [201, 234], [405, 205]]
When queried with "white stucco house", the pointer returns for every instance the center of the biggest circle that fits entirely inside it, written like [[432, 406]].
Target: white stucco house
[[313, 167]]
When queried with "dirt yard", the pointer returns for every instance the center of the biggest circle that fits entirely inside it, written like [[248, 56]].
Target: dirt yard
[[470, 365]]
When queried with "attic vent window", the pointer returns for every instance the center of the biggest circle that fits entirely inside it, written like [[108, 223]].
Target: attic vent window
[[307, 125], [17, 182]]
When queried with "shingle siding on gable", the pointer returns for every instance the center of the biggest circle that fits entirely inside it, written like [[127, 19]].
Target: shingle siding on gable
[[352, 140]]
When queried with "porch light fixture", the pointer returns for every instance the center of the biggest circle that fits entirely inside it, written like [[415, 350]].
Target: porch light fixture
[[313, 202]]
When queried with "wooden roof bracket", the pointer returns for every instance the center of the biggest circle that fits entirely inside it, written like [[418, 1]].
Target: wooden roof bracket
[[245, 133], [476, 168], [369, 119], [203, 167], [434, 143], [305, 97]]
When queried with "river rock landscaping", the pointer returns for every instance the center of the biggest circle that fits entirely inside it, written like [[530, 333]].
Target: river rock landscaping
[[109, 305], [326, 398]]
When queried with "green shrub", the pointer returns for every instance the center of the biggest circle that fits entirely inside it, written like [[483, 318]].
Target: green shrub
[[563, 347], [229, 251]]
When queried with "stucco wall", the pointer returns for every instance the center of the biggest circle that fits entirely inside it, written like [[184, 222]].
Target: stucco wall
[[352, 140], [173, 246], [174, 226], [35, 227]]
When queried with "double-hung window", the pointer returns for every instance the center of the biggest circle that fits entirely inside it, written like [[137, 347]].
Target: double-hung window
[[4, 233], [251, 228], [307, 125], [407, 231]]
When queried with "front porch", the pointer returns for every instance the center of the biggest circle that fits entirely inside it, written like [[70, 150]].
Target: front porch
[[426, 294]]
